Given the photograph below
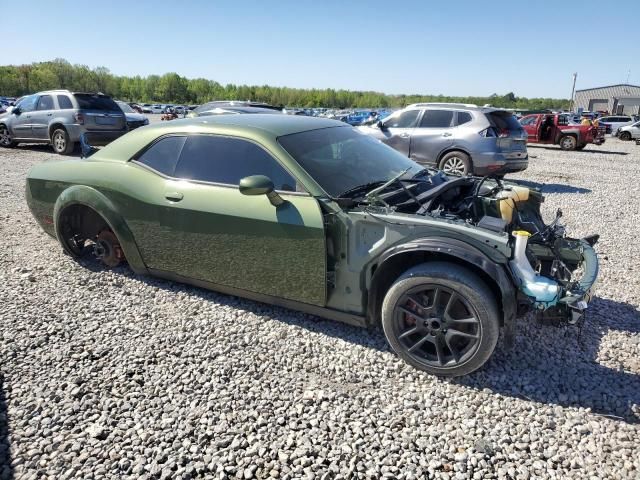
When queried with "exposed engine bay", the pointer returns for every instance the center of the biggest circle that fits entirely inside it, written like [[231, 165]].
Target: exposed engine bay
[[554, 273]]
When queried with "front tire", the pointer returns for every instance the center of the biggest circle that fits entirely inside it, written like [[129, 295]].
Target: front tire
[[61, 143], [5, 138], [626, 136], [441, 318], [456, 163], [568, 142]]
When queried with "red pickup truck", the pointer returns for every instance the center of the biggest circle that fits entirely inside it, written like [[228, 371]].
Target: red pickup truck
[[556, 129]]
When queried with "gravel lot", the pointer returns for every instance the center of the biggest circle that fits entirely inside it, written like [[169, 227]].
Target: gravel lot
[[106, 374]]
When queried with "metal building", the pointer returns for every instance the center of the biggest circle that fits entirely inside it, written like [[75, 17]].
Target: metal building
[[615, 99]]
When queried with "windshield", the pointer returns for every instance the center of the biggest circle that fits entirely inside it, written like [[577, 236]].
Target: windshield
[[342, 158], [125, 108]]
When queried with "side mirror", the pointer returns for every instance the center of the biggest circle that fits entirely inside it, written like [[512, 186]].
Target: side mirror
[[16, 110], [380, 125], [260, 185]]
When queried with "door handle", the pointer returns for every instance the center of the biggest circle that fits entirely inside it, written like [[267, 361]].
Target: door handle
[[404, 135], [447, 134], [174, 196]]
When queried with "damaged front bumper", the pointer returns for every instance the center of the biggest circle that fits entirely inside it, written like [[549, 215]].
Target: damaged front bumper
[[577, 297], [554, 299]]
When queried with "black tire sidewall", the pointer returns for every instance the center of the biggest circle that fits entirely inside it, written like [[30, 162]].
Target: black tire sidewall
[[465, 283], [462, 156], [68, 146], [626, 136], [11, 142]]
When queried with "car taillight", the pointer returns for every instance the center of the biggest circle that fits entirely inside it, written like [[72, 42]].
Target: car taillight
[[79, 118], [504, 133]]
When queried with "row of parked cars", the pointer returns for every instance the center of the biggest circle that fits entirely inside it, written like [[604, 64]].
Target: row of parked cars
[[457, 138]]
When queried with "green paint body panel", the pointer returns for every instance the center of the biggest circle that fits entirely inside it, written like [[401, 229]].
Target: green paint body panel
[[217, 236]]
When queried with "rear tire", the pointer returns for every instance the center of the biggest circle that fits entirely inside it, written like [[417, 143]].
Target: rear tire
[[441, 318], [626, 136], [61, 143], [5, 138], [568, 143], [456, 163]]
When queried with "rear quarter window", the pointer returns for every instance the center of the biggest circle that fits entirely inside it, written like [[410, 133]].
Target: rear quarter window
[[163, 155], [64, 102], [464, 117]]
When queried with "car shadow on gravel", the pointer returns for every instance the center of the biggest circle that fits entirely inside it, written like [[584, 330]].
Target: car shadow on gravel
[[6, 470], [551, 365], [553, 187], [561, 365], [558, 149]]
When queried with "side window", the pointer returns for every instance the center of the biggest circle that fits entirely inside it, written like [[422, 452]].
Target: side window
[[403, 120], [64, 102], [528, 121], [227, 160], [464, 117], [163, 155], [28, 104], [436, 119], [45, 103]]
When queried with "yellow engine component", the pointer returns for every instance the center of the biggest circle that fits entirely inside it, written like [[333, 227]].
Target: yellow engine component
[[507, 200]]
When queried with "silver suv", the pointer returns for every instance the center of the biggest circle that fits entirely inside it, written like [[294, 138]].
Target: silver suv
[[457, 138], [59, 117]]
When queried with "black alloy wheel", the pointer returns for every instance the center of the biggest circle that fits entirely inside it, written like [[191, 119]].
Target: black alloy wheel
[[437, 326], [441, 318]]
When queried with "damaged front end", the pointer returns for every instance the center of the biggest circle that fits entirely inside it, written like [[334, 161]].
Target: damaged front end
[[554, 274]]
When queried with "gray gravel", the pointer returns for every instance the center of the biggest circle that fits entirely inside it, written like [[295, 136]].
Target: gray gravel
[[106, 374]]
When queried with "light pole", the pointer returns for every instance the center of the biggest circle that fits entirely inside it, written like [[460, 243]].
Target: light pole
[[573, 90]]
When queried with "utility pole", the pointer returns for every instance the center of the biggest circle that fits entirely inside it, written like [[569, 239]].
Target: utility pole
[[573, 90]]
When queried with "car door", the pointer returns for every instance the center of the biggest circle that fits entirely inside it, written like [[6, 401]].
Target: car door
[[207, 230], [20, 124], [397, 129], [433, 135], [530, 125], [41, 116]]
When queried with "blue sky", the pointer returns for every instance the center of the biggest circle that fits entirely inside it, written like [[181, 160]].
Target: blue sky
[[453, 48]]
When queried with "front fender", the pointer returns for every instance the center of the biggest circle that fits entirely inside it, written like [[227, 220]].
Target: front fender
[[464, 253], [92, 198]]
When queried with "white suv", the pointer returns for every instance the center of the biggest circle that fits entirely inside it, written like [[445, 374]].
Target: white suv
[[614, 122], [630, 131]]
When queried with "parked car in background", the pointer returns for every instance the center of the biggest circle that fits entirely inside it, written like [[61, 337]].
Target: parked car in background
[[457, 138], [59, 117], [556, 129], [309, 214], [134, 119], [630, 131], [613, 122], [232, 107], [136, 107], [157, 109], [146, 108]]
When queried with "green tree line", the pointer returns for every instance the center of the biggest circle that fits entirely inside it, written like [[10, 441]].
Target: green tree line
[[17, 80]]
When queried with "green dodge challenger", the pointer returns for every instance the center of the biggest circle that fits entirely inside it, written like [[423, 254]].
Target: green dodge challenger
[[312, 215]]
